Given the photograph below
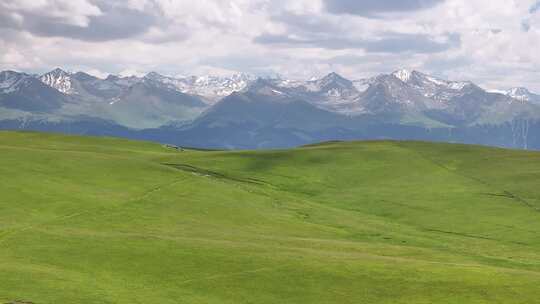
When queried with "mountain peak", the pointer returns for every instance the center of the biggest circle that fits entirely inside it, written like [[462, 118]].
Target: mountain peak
[[522, 94], [333, 76], [58, 72], [403, 74], [59, 80], [332, 80], [263, 86], [518, 91], [84, 76], [154, 75]]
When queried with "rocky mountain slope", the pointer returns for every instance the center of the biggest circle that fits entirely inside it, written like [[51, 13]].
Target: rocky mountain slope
[[249, 112]]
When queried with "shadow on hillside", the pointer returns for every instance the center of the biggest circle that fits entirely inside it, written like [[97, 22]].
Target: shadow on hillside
[[218, 175]]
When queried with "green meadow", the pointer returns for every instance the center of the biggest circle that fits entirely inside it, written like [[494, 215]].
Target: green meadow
[[103, 220]]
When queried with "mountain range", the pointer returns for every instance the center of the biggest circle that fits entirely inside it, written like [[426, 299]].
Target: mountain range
[[246, 112]]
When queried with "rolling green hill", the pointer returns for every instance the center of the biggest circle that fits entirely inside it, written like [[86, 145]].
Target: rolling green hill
[[101, 220]]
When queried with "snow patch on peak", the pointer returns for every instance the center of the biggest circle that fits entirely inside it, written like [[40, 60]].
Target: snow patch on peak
[[59, 80], [519, 93], [459, 85], [523, 94], [436, 81], [403, 75], [518, 90]]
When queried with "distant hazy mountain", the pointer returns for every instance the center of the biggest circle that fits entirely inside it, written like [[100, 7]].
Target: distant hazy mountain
[[401, 105], [127, 101], [19, 91], [210, 88], [242, 111], [523, 94], [333, 93], [263, 115]]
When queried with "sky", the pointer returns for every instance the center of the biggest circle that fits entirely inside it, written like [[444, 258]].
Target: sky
[[495, 43]]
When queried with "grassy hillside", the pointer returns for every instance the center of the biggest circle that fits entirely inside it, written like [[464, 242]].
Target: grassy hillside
[[88, 220]]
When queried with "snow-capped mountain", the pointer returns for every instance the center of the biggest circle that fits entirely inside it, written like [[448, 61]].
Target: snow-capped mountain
[[401, 105], [58, 79], [136, 102], [332, 84], [403, 92], [336, 94], [421, 99], [83, 84], [332, 92], [20, 91], [216, 87], [401, 96], [403, 75], [523, 94], [211, 88], [431, 87], [245, 111]]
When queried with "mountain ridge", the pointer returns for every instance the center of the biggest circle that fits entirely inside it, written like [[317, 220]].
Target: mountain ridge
[[401, 105]]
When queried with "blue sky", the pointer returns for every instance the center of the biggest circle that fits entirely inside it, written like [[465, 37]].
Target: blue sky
[[491, 42]]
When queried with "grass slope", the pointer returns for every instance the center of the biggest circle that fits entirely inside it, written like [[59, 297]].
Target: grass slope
[[99, 220]]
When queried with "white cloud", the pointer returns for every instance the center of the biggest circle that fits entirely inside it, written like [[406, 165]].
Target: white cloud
[[73, 12], [218, 36]]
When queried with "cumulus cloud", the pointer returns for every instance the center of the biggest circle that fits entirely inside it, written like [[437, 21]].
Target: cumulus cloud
[[326, 32], [97, 21], [491, 42], [72, 12]]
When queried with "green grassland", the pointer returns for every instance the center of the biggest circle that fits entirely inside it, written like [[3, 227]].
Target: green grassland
[[102, 220]]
